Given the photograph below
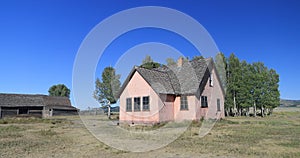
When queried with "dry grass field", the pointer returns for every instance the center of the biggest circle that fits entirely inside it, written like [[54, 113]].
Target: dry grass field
[[277, 135]]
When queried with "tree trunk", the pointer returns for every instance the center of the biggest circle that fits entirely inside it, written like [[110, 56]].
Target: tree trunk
[[271, 111], [267, 111], [254, 108], [108, 111], [227, 112], [234, 105], [262, 111], [247, 111]]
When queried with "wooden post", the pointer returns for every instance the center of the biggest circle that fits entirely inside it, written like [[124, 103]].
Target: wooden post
[[51, 112], [0, 113], [43, 112], [254, 109]]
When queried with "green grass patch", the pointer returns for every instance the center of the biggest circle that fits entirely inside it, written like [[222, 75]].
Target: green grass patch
[[30, 120], [226, 121], [10, 128], [11, 131], [291, 143], [48, 132]]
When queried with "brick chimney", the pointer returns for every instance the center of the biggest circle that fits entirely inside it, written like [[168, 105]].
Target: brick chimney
[[180, 61]]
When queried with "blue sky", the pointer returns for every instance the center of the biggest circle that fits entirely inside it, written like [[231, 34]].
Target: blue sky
[[40, 39]]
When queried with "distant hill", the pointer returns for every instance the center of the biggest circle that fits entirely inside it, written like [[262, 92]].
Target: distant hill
[[289, 103]]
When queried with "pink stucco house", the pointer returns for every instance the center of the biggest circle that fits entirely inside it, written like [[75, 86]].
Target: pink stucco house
[[188, 90]]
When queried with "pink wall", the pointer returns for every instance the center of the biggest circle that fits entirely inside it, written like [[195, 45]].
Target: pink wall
[[138, 87], [217, 94], [166, 112], [195, 111], [190, 114], [213, 93]]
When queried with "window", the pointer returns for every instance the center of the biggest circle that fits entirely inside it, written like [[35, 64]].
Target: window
[[183, 103], [218, 105], [146, 103], [211, 80], [137, 104], [204, 103], [128, 104]]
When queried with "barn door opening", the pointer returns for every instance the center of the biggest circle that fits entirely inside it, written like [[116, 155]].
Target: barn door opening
[[23, 110]]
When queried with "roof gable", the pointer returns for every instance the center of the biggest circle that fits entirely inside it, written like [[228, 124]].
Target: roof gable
[[173, 79]]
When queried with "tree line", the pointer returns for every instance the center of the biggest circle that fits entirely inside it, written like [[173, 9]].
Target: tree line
[[248, 86]]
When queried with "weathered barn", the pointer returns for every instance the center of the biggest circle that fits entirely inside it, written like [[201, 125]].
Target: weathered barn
[[34, 105]]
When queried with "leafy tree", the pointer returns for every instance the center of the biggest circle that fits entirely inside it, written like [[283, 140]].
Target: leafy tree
[[267, 96], [107, 89], [170, 62], [221, 65], [197, 57], [147, 59], [273, 90], [254, 84], [151, 65], [234, 82], [248, 85], [245, 89], [148, 63], [259, 89], [59, 90]]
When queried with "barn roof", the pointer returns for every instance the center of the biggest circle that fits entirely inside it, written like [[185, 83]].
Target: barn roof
[[18, 100], [177, 80]]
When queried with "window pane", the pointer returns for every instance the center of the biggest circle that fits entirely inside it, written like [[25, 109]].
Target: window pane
[[128, 104], [204, 102], [146, 103], [137, 104], [211, 80], [183, 103]]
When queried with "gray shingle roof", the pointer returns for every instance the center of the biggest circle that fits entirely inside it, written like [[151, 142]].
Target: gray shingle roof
[[173, 79], [159, 80], [21, 100], [18, 100]]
